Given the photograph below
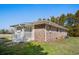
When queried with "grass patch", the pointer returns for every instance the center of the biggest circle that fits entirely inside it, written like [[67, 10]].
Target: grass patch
[[69, 46]]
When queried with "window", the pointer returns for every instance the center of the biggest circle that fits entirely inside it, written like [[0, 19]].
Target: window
[[57, 29], [39, 26]]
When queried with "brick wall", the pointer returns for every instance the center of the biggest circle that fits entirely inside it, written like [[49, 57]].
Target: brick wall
[[39, 35], [54, 35]]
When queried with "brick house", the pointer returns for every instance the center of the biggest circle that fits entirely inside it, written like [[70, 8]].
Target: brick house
[[42, 31]]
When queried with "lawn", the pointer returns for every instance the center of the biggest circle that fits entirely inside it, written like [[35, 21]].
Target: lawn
[[69, 46]]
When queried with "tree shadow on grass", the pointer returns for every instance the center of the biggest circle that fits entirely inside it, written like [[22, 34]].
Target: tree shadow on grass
[[23, 49]]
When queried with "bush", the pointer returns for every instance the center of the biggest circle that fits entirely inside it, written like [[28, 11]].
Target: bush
[[22, 49]]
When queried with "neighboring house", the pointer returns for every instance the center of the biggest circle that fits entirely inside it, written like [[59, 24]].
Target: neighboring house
[[42, 31]]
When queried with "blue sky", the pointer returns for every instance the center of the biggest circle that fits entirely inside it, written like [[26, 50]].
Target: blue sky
[[19, 13]]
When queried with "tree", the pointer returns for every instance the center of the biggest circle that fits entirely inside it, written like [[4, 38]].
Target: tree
[[70, 15], [74, 31], [62, 19], [48, 19], [53, 19], [43, 19], [5, 31], [2, 31], [39, 19], [77, 17], [77, 14]]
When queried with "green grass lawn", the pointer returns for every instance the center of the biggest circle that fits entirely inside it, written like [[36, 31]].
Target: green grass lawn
[[68, 46]]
